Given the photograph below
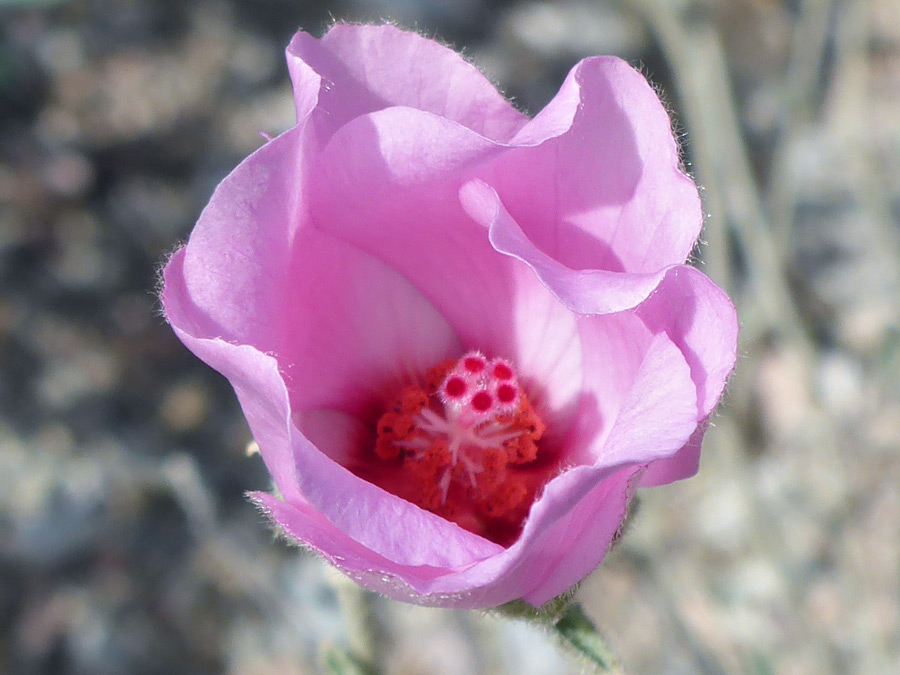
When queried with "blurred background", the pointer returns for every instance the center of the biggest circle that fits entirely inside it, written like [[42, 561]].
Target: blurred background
[[126, 545]]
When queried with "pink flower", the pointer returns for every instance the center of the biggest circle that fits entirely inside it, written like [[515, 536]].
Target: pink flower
[[372, 279]]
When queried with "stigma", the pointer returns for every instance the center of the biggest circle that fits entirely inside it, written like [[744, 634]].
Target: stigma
[[462, 444]]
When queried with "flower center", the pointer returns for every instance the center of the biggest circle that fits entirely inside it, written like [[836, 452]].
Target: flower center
[[465, 445]]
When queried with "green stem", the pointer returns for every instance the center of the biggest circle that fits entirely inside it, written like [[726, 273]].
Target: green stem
[[337, 661], [365, 632], [578, 633]]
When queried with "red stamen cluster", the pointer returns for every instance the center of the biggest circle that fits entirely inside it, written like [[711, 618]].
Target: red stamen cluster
[[462, 445]]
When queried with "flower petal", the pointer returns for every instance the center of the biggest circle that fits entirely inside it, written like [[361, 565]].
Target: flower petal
[[589, 291], [613, 348], [387, 525], [303, 522], [369, 68], [355, 330], [592, 526], [232, 301], [383, 184], [234, 265], [253, 374], [568, 534], [601, 188], [639, 402], [570, 528], [700, 318], [387, 166], [659, 414], [683, 464]]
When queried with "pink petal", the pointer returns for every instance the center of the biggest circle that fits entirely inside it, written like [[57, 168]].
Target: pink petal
[[659, 414], [253, 374], [639, 402], [592, 526], [390, 527], [589, 291], [683, 464], [573, 523], [568, 534], [387, 166], [700, 318], [569, 528], [234, 267], [307, 525], [335, 433], [613, 348], [542, 341], [369, 68], [356, 331], [384, 185], [602, 189], [240, 287], [239, 280], [306, 84]]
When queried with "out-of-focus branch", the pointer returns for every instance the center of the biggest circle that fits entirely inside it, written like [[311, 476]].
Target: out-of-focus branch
[[693, 46], [798, 96]]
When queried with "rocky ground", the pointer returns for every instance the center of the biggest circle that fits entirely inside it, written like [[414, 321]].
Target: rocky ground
[[126, 545]]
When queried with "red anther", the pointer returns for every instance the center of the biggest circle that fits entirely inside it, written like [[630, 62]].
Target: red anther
[[386, 449], [455, 387], [521, 450], [482, 401], [501, 371], [386, 424], [504, 499], [474, 364], [493, 464], [506, 393], [437, 456], [411, 401]]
